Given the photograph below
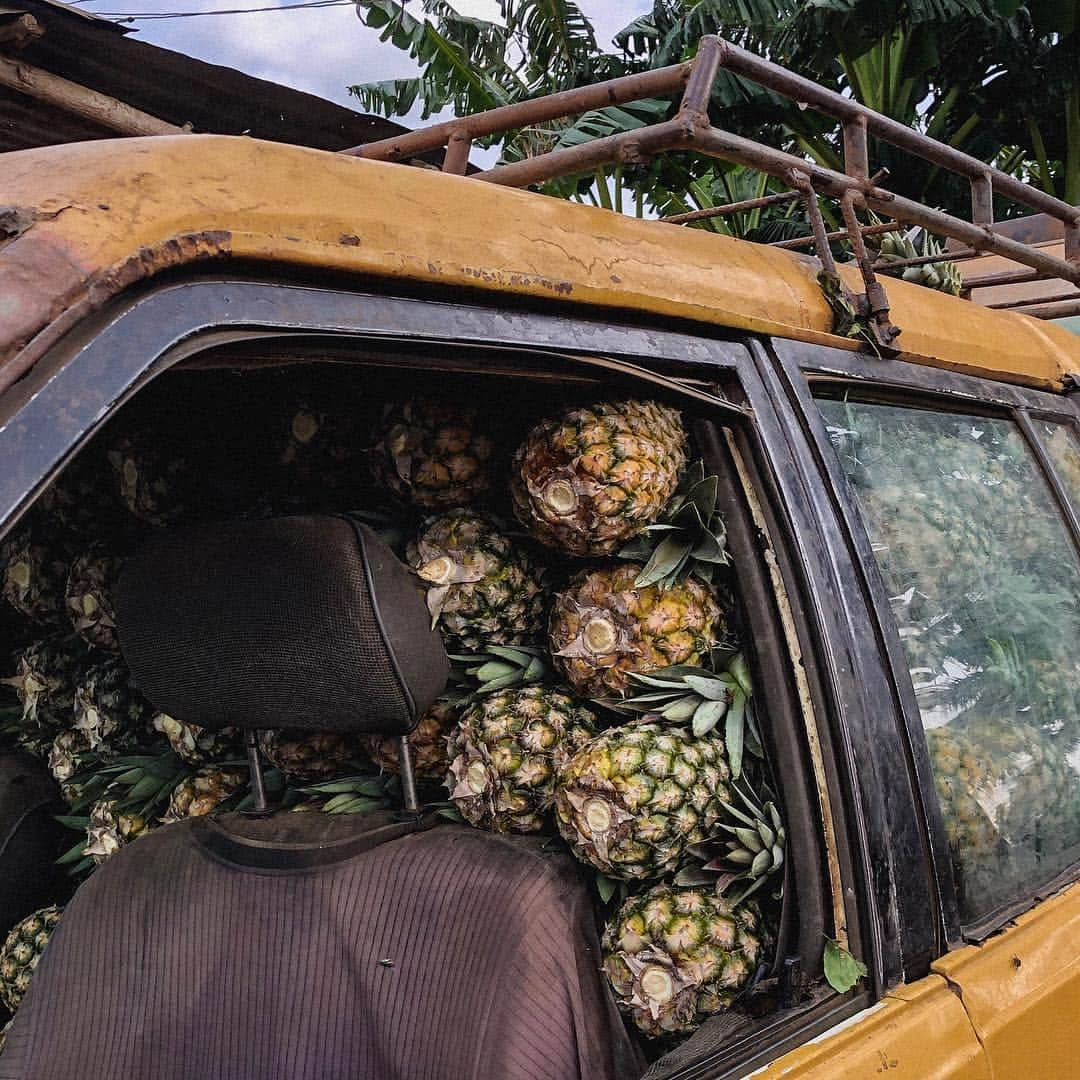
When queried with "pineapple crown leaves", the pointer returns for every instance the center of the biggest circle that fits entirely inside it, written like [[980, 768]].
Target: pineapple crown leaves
[[848, 321], [943, 276], [689, 536], [360, 794], [684, 693], [141, 783], [750, 849], [499, 667]]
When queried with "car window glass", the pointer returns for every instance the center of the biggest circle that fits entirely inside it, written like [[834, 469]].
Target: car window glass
[[1063, 446], [984, 584]]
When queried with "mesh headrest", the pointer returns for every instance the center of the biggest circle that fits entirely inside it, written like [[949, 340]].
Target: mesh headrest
[[298, 622]]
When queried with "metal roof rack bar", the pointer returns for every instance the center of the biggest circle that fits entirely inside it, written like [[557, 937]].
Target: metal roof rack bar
[[875, 229], [731, 208], [659, 83], [690, 129], [1062, 310], [1056, 298]]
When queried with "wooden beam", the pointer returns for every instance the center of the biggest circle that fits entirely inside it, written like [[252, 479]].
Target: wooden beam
[[81, 100]]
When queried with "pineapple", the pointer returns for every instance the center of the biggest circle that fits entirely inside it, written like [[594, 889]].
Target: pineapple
[[203, 792], [506, 751], [431, 455], [1001, 784], [195, 744], [591, 479], [81, 502], [320, 449], [21, 952], [110, 828], [603, 628], [153, 484], [34, 573], [481, 590], [91, 587], [676, 956], [109, 710], [633, 799], [427, 743], [896, 246], [45, 681], [68, 751], [308, 755]]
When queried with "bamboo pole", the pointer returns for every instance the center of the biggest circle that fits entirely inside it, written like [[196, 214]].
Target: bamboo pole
[[74, 98]]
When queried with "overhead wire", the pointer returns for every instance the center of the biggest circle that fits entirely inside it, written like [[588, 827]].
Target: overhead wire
[[131, 16]]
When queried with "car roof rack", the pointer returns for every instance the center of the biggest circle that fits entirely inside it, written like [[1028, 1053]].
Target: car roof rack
[[855, 188]]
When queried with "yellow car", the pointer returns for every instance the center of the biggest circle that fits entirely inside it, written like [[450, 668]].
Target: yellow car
[[902, 504]]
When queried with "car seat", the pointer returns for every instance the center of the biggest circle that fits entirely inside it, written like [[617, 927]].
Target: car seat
[[283, 945]]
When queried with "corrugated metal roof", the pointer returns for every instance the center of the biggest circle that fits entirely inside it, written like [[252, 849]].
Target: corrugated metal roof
[[101, 55]]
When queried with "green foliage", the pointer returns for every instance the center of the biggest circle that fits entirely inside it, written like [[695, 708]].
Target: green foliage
[[842, 970], [974, 555], [997, 78]]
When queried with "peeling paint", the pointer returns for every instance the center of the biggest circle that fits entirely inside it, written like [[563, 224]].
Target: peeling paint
[[46, 292]]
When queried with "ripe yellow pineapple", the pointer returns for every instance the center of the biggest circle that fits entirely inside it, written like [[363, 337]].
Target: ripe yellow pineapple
[[482, 589], [33, 569], [603, 627], [677, 956], [506, 752], [89, 597], [22, 950], [110, 828], [308, 755], [203, 792], [198, 745], [589, 480], [632, 800]]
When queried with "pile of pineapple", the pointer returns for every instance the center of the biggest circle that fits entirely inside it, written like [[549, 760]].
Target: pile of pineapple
[[598, 693]]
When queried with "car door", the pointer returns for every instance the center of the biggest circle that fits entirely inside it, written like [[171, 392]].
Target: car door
[[959, 498]]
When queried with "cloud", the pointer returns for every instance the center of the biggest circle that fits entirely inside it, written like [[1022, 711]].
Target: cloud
[[320, 50]]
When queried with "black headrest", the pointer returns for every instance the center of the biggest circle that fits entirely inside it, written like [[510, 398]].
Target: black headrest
[[299, 622]]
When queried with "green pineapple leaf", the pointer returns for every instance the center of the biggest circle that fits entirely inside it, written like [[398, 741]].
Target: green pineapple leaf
[[707, 715], [842, 970], [605, 887], [735, 731], [712, 687], [74, 854], [688, 538]]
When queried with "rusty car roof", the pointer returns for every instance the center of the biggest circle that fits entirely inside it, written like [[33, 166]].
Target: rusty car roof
[[82, 222]]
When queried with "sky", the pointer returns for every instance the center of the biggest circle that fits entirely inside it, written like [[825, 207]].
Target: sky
[[321, 50]]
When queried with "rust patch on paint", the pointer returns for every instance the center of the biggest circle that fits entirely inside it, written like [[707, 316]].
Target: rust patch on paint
[[44, 291]]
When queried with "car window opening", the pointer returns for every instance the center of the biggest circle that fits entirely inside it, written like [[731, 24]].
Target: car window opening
[[570, 538]]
